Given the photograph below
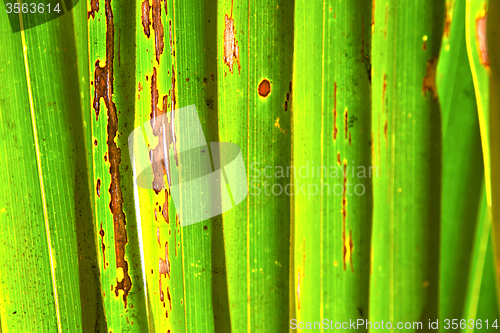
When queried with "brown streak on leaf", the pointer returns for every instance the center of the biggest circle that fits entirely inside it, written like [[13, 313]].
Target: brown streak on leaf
[[103, 247], [383, 92], [335, 129], [172, 90], [430, 78], [146, 22], [170, 38], [386, 17], [385, 132], [165, 208], [346, 118], [344, 215], [481, 40], [373, 16], [103, 78], [351, 248], [169, 299]]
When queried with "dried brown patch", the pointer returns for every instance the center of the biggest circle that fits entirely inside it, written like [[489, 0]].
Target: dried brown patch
[[264, 88], [158, 28], [481, 39], [429, 83], [231, 49], [94, 8], [146, 22]]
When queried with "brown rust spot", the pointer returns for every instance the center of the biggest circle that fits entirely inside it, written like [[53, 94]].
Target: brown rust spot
[[335, 129], [158, 235], [429, 83], [105, 157], [98, 187], [231, 49], [103, 78], [338, 159], [158, 28], [94, 8], [264, 88], [95, 142], [146, 22], [481, 39], [103, 247], [349, 139]]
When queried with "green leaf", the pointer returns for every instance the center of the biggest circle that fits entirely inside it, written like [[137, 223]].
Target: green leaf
[[257, 231], [494, 121], [111, 62], [407, 151], [40, 203], [462, 165], [331, 140]]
